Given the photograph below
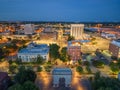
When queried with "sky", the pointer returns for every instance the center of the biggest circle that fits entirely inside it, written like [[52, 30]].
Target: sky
[[60, 10]]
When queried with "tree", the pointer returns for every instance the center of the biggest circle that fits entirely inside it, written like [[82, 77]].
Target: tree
[[13, 68], [98, 63], [63, 54], [115, 66], [79, 62], [97, 75], [16, 87], [79, 69], [22, 68], [1, 53], [93, 39], [115, 69], [29, 36], [40, 59], [19, 61], [48, 68], [88, 69], [25, 75], [39, 69], [70, 38], [54, 51], [114, 57], [101, 88], [9, 39], [28, 85], [104, 83], [86, 63], [97, 52]]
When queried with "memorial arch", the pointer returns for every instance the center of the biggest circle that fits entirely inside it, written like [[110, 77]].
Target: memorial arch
[[62, 77]]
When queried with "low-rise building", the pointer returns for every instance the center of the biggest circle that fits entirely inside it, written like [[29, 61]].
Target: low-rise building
[[108, 35], [31, 53], [74, 50], [29, 29], [114, 48]]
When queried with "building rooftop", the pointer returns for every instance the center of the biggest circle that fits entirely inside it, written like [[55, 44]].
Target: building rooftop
[[35, 48], [77, 25], [77, 42], [62, 71], [116, 42]]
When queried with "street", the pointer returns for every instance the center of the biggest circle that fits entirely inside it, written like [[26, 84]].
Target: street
[[44, 82]]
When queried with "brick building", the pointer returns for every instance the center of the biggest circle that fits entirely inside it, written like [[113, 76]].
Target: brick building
[[74, 50], [114, 48]]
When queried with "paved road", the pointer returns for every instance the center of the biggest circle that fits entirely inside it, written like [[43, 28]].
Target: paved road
[[85, 83], [44, 82]]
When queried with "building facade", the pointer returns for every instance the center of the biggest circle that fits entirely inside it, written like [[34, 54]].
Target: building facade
[[60, 34], [62, 77], [74, 50], [114, 48], [28, 29], [119, 76], [31, 53], [77, 30], [108, 35]]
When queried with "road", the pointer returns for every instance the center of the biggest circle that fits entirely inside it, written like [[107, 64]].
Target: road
[[44, 82]]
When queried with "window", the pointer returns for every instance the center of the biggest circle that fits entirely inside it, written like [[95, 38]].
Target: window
[[19, 56], [45, 57]]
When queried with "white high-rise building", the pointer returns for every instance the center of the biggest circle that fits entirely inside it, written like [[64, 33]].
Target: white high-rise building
[[77, 30], [28, 29]]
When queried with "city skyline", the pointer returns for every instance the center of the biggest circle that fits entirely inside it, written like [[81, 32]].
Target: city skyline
[[62, 10]]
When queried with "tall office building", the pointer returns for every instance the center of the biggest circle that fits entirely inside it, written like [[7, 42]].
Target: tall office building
[[28, 29], [77, 30]]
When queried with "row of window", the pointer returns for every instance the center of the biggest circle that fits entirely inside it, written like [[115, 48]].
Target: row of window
[[27, 58]]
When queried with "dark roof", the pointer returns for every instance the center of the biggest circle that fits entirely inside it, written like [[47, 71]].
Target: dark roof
[[118, 40]]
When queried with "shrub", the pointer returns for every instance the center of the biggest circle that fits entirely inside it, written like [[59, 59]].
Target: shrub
[[88, 69], [79, 69], [98, 63]]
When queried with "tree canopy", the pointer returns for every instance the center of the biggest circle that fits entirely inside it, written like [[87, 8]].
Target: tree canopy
[[104, 83], [1, 53], [79, 69], [40, 59], [25, 75], [70, 38], [54, 51], [28, 85], [63, 55], [16, 87]]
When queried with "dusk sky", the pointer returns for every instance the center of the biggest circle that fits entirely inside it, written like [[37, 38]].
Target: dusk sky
[[60, 10]]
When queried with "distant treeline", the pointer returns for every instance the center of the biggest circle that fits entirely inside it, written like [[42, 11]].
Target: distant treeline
[[56, 22]]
